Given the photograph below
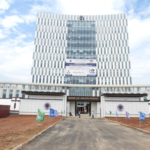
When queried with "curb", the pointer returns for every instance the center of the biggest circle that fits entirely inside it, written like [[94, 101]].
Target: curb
[[28, 141], [128, 126]]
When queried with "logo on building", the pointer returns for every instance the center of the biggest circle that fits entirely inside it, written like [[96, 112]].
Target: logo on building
[[47, 106], [120, 107], [81, 18]]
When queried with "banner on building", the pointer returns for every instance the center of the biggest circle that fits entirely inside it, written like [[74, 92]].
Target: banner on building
[[80, 67]]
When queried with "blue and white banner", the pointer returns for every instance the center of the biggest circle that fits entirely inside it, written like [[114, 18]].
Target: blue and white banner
[[81, 61], [142, 116], [51, 112], [80, 67]]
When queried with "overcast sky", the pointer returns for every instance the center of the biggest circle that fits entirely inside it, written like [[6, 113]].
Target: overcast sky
[[18, 23]]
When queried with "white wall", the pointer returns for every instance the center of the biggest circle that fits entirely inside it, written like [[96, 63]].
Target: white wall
[[30, 106], [98, 109], [68, 109], [72, 108], [94, 108], [9, 102], [131, 107]]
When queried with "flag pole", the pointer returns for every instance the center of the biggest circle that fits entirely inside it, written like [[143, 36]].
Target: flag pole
[[35, 127]]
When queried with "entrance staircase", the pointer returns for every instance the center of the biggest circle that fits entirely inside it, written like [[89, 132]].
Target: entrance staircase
[[85, 116]]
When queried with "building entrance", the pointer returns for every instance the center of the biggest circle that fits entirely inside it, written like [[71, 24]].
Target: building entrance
[[83, 107]]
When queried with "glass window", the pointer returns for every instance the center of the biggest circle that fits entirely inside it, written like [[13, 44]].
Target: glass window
[[33, 79], [10, 93], [23, 96], [17, 93]]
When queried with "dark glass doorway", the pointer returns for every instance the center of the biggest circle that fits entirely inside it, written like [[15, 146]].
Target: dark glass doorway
[[83, 107]]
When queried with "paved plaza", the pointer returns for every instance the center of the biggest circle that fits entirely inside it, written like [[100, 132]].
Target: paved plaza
[[90, 134]]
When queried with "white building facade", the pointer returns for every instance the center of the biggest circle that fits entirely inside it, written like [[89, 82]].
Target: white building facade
[[85, 58], [103, 38]]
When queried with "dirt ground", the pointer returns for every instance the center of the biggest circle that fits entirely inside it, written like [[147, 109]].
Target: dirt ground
[[133, 122], [15, 130]]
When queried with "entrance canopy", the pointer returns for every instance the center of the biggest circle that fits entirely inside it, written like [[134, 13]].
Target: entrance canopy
[[43, 93], [123, 95]]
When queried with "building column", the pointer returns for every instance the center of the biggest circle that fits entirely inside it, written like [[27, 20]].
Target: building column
[[67, 91], [65, 105], [93, 92], [102, 106], [97, 91], [142, 98], [1, 93]]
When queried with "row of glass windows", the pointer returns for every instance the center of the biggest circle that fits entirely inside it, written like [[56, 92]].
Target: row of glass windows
[[113, 50], [50, 35], [73, 24], [70, 56], [45, 79], [134, 89], [48, 71], [105, 50], [100, 58], [74, 91], [44, 63], [114, 81], [101, 31], [81, 32], [111, 30], [47, 49], [82, 45], [113, 57], [114, 65], [80, 91], [80, 38], [74, 17], [92, 44], [80, 51], [10, 93], [50, 56], [44, 42], [51, 30], [83, 37], [79, 80], [114, 73], [110, 37], [113, 43], [49, 22]]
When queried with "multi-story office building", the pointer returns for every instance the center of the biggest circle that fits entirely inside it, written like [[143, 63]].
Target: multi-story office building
[[80, 63], [101, 38]]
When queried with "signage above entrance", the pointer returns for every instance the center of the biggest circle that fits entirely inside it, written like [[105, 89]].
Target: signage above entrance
[[83, 98]]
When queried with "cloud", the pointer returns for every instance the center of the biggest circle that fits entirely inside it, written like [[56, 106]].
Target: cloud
[[96, 7], [11, 21], [139, 39], [4, 4], [32, 14], [16, 59], [145, 12], [2, 35], [14, 11]]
